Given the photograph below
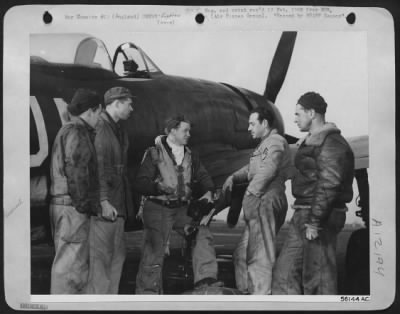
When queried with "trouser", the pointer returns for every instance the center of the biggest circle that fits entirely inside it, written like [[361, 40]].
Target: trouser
[[69, 272], [158, 223], [107, 255], [304, 266], [254, 255]]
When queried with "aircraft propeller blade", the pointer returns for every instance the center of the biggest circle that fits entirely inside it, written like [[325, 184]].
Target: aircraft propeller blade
[[279, 65]]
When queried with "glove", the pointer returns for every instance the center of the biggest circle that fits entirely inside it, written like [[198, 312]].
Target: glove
[[251, 205], [199, 208]]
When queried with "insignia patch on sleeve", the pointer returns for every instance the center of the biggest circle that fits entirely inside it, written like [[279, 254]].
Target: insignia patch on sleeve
[[264, 154]]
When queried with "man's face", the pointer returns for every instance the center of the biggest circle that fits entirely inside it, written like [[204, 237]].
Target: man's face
[[94, 116], [124, 108], [257, 128], [182, 133], [303, 118]]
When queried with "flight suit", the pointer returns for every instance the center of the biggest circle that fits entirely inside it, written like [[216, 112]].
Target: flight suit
[[74, 191], [264, 207], [164, 213]]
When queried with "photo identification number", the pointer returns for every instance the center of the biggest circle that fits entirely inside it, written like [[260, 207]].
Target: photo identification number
[[355, 298]]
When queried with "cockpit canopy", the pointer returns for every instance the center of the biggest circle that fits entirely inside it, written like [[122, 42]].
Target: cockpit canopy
[[77, 49], [131, 61], [85, 50]]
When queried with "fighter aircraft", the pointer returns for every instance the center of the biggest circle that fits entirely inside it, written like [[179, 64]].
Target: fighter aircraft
[[61, 63]]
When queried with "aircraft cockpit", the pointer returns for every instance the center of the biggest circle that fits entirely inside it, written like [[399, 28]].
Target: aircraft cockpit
[[131, 61], [74, 51]]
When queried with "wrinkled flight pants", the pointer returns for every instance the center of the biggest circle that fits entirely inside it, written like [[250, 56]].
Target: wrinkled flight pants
[[107, 255], [255, 253], [69, 272], [158, 223], [304, 266]]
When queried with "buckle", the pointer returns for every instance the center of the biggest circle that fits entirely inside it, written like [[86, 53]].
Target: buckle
[[169, 203], [175, 203], [61, 200]]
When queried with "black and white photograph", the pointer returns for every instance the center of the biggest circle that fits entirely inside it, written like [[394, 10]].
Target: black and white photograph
[[193, 155]]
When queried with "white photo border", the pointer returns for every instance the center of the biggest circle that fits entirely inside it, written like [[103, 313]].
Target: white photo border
[[376, 22]]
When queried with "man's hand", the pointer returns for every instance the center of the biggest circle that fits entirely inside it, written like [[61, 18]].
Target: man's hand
[[228, 184], [164, 189], [207, 196], [311, 232], [139, 215], [108, 211]]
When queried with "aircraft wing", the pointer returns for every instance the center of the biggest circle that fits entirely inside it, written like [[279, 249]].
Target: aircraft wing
[[360, 147], [223, 163]]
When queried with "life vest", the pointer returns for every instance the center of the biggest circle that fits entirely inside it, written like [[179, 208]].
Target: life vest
[[175, 176]]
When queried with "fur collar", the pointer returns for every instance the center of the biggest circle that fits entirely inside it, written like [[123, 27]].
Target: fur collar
[[161, 140], [318, 137]]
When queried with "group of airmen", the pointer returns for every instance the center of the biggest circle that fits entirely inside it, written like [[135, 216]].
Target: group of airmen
[[91, 201]]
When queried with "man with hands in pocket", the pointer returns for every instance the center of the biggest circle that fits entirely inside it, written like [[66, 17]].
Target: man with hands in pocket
[[264, 204], [107, 238]]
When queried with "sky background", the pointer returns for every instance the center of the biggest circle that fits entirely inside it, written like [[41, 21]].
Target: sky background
[[333, 64]]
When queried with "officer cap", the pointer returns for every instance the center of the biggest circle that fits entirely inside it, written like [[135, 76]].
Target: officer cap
[[116, 92]]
